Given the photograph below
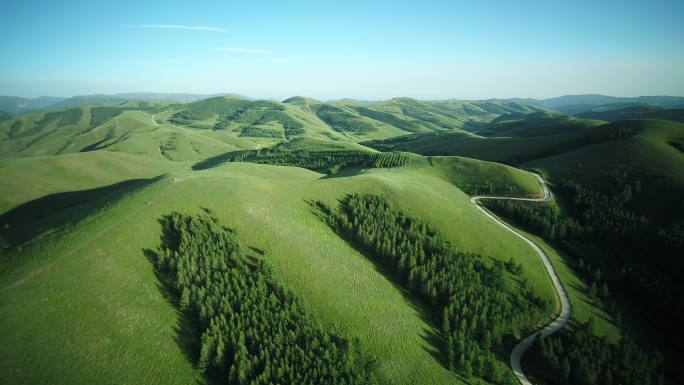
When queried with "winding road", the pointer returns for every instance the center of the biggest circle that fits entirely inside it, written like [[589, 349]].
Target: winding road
[[564, 316]]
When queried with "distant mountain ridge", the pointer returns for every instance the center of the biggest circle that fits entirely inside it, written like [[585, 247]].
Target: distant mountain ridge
[[636, 112], [17, 105], [577, 104], [206, 127], [567, 104]]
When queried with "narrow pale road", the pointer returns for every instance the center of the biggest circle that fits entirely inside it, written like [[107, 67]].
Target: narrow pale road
[[564, 316], [154, 121]]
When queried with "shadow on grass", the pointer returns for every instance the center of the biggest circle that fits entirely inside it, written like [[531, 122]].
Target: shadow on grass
[[216, 160], [430, 316], [344, 172], [30, 219]]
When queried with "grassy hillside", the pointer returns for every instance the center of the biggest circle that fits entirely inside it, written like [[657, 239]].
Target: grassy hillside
[[527, 145], [129, 129], [651, 155], [534, 124], [652, 149], [77, 227], [270, 206], [27, 179], [204, 128]]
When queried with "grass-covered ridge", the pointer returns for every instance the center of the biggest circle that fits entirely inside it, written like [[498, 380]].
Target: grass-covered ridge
[[511, 149], [200, 129], [636, 112]]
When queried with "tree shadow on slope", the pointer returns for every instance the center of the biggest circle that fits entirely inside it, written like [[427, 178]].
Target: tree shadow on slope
[[215, 161], [56, 211], [431, 336]]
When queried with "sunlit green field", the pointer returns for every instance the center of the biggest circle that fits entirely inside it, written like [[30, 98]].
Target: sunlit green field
[[92, 282]]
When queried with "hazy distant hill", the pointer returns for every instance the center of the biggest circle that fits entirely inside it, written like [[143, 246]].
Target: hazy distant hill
[[576, 104], [17, 105], [637, 112]]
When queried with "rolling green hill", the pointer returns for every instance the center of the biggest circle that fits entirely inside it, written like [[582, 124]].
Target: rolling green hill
[[650, 153], [582, 150], [525, 141], [129, 129], [622, 182], [101, 215], [86, 187], [253, 201], [208, 127], [534, 124]]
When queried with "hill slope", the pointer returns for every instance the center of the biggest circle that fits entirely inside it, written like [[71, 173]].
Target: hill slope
[[101, 244]]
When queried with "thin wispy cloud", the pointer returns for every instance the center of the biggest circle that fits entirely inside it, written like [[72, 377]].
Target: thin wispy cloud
[[241, 50], [141, 62], [178, 26]]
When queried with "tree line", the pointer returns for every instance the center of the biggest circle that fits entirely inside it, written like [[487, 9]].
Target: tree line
[[616, 250], [253, 331], [326, 161], [479, 307], [579, 357]]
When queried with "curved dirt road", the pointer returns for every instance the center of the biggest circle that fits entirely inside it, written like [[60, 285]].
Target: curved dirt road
[[564, 316]]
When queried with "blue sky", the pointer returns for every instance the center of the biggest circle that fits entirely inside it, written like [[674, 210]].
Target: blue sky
[[274, 49]]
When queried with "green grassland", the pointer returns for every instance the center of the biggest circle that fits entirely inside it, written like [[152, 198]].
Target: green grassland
[[98, 263]]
